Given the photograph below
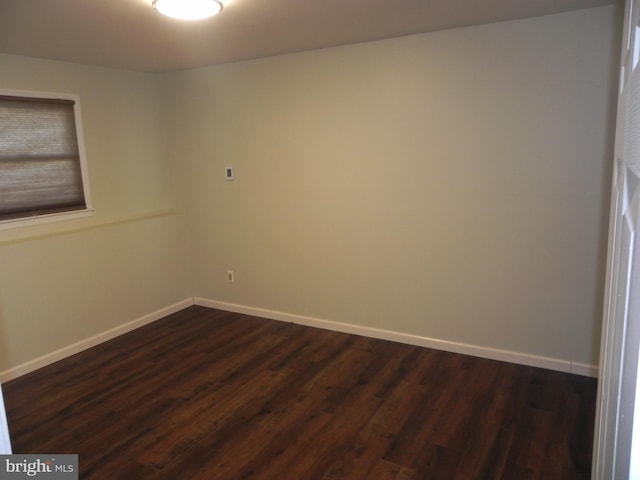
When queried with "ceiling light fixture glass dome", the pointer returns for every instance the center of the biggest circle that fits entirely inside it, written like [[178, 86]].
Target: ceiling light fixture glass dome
[[188, 9]]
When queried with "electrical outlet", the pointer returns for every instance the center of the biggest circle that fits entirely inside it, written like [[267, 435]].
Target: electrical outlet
[[230, 277]]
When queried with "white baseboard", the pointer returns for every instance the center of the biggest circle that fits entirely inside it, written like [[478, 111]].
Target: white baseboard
[[466, 349], [584, 369], [77, 347]]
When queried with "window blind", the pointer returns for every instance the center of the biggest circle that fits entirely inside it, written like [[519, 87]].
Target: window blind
[[40, 170]]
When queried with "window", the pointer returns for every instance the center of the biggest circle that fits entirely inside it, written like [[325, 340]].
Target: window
[[42, 170]]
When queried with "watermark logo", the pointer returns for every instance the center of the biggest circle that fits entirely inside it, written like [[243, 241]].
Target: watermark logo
[[50, 467]]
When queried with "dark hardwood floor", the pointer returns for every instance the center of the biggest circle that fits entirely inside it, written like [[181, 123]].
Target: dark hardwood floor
[[205, 394]]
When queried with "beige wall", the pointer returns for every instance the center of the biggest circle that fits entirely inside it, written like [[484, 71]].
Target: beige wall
[[65, 282], [451, 185]]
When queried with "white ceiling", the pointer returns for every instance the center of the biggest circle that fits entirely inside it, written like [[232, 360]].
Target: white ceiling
[[129, 34]]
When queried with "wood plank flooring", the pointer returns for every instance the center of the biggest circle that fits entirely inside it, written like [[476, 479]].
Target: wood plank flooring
[[206, 394]]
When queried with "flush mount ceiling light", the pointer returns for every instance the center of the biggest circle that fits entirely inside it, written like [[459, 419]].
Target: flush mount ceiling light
[[188, 9]]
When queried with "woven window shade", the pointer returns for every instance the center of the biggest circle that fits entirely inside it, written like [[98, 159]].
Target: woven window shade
[[40, 171]]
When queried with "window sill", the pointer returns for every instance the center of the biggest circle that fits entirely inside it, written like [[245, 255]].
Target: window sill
[[42, 219]]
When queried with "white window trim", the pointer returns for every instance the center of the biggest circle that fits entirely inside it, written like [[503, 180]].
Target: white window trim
[[62, 216]]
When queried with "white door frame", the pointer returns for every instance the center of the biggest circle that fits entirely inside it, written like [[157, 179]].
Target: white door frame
[[616, 453], [5, 442]]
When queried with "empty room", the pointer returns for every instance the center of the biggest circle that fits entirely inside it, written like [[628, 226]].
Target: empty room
[[355, 239]]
